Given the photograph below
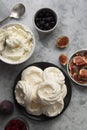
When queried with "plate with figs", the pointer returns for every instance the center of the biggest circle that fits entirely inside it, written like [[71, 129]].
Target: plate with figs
[[42, 91], [77, 67]]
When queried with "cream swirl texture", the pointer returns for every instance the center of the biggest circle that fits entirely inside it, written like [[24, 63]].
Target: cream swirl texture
[[48, 93], [42, 91], [15, 42], [23, 92], [54, 74]]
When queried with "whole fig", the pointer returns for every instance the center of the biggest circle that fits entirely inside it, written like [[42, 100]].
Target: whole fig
[[6, 107]]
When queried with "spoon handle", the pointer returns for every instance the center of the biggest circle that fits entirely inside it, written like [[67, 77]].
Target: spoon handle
[[4, 19]]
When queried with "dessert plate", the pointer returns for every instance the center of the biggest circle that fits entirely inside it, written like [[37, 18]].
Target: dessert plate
[[67, 99]]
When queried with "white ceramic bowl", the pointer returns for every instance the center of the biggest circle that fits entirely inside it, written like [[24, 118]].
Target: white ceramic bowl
[[8, 61], [68, 70], [48, 30]]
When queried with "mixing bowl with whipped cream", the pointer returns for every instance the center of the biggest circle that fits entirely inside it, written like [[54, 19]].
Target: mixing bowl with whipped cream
[[41, 92], [17, 43]]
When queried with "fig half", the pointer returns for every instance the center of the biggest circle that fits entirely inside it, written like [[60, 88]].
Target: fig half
[[62, 42], [79, 60], [83, 73], [63, 59]]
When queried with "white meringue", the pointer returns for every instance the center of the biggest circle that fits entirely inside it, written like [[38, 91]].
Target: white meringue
[[54, 74], [33, 75], [41, 92], [34, 108], [25, 97], [23, 93], [63, 91], [54, 109], [48, 93]]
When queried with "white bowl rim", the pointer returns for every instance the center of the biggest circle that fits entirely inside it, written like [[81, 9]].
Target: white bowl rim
[[68, 67], [27, 57], [50, 30]]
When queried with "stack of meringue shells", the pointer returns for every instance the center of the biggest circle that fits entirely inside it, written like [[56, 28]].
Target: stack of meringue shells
[[41, 92]]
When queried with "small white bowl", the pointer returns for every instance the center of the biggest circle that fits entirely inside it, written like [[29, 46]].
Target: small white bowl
[[48, 30], [8, 61], [71, 57]]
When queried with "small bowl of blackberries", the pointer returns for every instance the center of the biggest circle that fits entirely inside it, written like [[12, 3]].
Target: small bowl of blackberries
[[45, 20]]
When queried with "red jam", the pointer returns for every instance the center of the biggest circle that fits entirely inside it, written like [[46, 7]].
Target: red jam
[[16, 124]]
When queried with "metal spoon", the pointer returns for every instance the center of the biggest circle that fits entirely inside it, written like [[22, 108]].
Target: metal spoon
[[17, 11]]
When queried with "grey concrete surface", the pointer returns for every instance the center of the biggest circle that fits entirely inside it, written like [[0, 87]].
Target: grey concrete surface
[[73, 23]]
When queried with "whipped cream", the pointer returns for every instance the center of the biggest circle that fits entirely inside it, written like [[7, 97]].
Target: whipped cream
[[15, 42], [2, 39], [41, 92]]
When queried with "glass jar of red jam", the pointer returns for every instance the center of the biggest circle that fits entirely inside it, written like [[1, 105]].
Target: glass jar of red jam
[[17, 124]]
